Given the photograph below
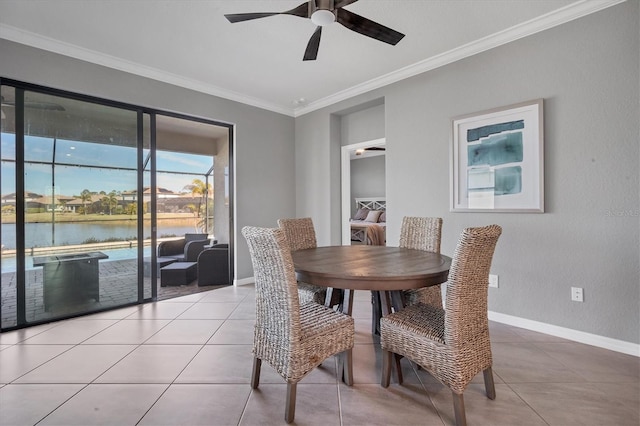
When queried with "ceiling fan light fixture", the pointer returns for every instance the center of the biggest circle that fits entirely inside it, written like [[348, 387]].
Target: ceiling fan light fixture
[[322, 17]]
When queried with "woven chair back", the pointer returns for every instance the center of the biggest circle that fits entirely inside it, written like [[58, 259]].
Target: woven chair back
[[421, 233], [277, 303], [467, 286], [300, 232]]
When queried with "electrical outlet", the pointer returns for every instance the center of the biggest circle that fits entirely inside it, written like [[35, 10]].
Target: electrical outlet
[[576, 294], [493, 281]]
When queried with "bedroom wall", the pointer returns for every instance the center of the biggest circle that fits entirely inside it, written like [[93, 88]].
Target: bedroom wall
[[264, 146], [587, 71], [367, 179]]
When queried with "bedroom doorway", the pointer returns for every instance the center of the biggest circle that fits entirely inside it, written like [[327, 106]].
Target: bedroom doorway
[[375, 186]]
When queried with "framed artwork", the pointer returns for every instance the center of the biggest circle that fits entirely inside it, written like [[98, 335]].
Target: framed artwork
[[498, 160]]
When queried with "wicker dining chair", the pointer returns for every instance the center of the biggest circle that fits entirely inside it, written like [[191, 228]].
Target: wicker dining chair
[[302, 235], [453, 343], [292, 337], [422, 233]]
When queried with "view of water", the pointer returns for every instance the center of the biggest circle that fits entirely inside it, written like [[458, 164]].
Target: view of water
[[43, 234]]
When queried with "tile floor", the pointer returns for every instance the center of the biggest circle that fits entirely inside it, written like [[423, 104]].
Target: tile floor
[[187, 361]]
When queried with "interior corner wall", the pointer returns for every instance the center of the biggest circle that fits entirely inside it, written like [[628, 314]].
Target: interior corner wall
[[264, 140], [587, 72]]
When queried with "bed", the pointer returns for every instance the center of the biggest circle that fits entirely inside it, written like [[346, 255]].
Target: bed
[[369, 211]]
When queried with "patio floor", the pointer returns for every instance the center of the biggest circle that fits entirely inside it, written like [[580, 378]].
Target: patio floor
[[118, 286]]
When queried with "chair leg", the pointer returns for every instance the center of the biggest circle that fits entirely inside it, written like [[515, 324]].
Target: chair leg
[[458, 409], [376, 312], [255, 374], [290, 410], [347, 360], [398, 367], [386, 369], [489, 386]]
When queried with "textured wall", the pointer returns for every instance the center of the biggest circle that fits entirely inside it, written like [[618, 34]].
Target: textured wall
[[264, 145], [587, 71]]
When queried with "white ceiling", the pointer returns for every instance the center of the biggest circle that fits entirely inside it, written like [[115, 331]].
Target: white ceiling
[[189, 43]]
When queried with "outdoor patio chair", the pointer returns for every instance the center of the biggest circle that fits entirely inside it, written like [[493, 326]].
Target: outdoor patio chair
[[213, 265], [185, 249]]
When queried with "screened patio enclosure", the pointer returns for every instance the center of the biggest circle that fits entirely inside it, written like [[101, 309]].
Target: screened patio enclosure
[[89, 188]]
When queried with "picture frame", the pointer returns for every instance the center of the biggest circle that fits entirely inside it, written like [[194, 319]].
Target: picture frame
[[498, 160]]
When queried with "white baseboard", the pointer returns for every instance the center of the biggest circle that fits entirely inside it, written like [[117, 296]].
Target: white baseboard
[[541, 327], [567, 333], [244, 281]]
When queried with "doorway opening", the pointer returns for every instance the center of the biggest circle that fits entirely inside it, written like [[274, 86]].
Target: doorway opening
[[362, 177]]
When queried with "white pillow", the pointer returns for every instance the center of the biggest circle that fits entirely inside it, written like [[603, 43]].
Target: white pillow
[[373, 216]]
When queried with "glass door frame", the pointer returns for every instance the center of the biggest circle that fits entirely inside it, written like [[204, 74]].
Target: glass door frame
[[20, 88]]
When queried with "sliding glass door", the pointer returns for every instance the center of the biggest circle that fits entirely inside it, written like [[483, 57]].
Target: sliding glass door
[[89, 187]]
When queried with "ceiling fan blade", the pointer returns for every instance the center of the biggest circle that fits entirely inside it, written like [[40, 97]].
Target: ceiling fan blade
[[367, 27], [312, 47], [301, 11], [240, 17], [343, 3]]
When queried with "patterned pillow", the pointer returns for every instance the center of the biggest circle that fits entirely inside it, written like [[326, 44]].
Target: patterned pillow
[[361, 214], [383, 217]]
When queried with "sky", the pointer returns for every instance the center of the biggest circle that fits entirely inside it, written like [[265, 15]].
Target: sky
[[71, 180]]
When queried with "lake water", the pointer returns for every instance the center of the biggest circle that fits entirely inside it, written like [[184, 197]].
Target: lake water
[[41, 234]]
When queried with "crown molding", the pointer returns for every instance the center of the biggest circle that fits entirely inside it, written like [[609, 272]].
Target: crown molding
[[558, 17], [45, 43], [536, 25]]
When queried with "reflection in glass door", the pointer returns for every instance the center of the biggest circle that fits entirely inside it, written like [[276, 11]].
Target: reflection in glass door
[[80, 215]]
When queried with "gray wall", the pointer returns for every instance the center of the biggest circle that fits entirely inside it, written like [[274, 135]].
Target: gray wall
[[264, 149], [367, 178], [587, 71]]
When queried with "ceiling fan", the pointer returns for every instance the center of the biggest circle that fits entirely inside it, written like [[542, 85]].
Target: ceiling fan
[[325, 12]]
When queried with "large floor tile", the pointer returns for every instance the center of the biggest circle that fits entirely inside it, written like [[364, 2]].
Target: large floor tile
[[161, 310], [582, 404], [128, 332], [17, 336], [244, 310], [227, 294], [238, 332], [151, 364], [70, 332], [315, 405], [102, 404], [18, 360], [371, 404], [80, 364], [28, 404], [595, 364], [506, 410], [199, 404], [219, 364], [185, 332], [522, 362], [209, 311]]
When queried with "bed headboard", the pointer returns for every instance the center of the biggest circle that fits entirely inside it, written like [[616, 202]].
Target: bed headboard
[[372, 203]]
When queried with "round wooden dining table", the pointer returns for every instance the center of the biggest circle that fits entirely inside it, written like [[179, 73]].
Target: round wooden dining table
[[367, 267], [385, 271]]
